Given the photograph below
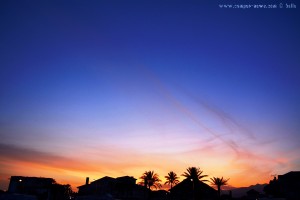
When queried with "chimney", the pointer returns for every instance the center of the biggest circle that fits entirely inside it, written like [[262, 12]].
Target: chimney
[[87, 180]]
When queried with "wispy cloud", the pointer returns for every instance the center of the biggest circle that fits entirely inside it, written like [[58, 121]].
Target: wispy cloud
[[237, 139], [228, 121], [191, 115], [10, 152], [95, 160]]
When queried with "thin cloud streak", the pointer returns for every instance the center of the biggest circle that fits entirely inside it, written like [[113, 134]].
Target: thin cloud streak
[[227, 120], [103, 159], [12, 152], [180, 107], [242, 153]]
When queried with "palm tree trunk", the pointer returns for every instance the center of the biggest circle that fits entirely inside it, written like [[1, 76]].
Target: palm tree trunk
[[219, 191], [171, 192], [149, 192]]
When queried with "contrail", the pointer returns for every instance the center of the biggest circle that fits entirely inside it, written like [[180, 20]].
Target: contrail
[[226, 119], [186, 111], [240, 152]]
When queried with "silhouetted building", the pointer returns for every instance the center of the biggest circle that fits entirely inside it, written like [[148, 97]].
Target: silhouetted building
[[195, 190], [273, 188], [159, 195], [252, 194], [289, 185], [37, 186], [7, 196], [21, 187], [29, 185], [286, 186], [124, 187]]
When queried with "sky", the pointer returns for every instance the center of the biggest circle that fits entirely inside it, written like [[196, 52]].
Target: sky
[[115, 88]]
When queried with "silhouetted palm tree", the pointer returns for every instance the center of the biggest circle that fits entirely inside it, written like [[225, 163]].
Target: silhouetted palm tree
[[150, 179], [194, 173], [218, 182], [172, 179]]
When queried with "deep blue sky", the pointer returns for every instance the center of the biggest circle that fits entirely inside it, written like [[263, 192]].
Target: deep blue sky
[[93, 74]]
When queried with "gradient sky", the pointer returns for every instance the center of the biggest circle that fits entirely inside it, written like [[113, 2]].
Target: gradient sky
[[96, 88]]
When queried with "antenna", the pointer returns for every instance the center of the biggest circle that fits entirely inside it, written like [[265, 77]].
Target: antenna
[[274, 175]]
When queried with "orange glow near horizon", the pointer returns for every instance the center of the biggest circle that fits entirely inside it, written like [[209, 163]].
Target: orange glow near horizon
[[74, 173]]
